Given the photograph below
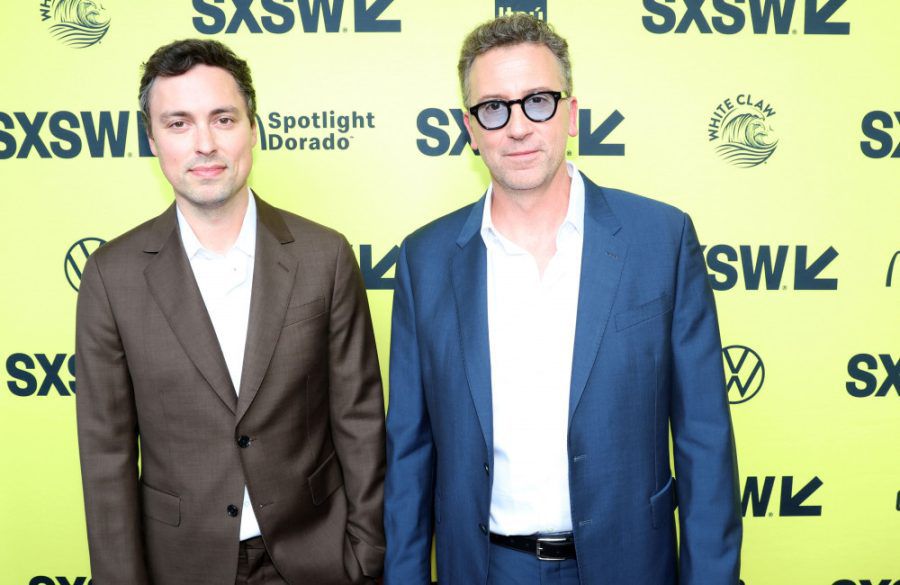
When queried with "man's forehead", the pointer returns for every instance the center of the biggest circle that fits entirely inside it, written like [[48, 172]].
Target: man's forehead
[[198, 86], [513, 67], [198, 75]]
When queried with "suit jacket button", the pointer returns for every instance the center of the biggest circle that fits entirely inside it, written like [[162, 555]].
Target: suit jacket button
[[232, 510], [483, 528], [487, 469], [243, 442]]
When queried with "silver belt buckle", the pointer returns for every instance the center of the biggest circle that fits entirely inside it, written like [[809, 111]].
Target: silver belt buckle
[[539, 551]]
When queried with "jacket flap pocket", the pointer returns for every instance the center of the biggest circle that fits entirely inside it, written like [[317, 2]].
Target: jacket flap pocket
[[160, 506], [326, 479], [304, 311], [663, 503], [643, 312]]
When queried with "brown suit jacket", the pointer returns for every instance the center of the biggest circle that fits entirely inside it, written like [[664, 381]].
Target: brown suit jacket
[[153, 385]]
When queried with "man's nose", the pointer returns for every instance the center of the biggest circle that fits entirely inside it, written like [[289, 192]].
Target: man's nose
[[205, 139], [519, 125]]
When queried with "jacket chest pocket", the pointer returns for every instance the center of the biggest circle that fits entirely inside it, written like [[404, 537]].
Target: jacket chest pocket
[[645, 312], [304, 312]]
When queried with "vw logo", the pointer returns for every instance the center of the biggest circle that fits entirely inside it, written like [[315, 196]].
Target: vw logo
[[744, 373], [77, 256]]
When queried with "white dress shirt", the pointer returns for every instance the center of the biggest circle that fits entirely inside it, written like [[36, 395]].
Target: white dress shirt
[[531, 323], [225, 282]]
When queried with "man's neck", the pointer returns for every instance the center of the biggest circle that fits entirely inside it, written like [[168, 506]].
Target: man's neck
[[531, 219], [217, 228]]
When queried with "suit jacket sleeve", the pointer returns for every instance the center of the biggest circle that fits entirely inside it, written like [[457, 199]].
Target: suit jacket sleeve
[[410, 476], [710, 519], [357, 412], [107, 439]]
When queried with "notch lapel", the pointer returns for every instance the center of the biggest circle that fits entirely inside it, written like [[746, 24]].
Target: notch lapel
[[273, 280], [469, 277], [173, 286], [602, 259]]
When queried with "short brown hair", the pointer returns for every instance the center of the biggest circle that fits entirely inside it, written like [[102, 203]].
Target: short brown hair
[[179, 57], [512, 29]]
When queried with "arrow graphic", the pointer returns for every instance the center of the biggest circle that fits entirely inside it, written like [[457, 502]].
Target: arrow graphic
[[374, 276], [791, 504], [816, 19], [805, 276], [366, 17], [590, 142]]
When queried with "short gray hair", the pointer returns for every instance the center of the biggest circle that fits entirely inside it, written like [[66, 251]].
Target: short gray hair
[[512, 29]]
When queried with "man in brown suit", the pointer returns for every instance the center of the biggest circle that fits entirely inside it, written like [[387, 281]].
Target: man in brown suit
[[228, 345]]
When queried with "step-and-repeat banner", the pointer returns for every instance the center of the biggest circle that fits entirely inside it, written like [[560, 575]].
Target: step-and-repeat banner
[[774, 123]]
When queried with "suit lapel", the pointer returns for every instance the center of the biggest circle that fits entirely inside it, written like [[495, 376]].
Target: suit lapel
[[602, 259], [273, 280], [172, 284], [469, 276]]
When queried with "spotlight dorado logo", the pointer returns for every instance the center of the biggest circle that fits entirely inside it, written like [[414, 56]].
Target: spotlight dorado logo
[[741, 130], [323, 130], [76, 23]]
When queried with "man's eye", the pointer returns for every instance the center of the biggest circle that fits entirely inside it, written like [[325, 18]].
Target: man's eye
[[176, 124], [226, 120], [538, 99], [493, 106]]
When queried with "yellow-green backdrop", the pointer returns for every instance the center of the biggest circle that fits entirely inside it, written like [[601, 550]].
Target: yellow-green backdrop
[[800, 247]]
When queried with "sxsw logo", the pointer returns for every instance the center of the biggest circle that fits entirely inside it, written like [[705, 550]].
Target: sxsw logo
[[77, 256], [766, 267], [729, 17], [281, 16], [40, 374], [536, 8], [867, 378], [65, 134], [61, 581], [444, 133], [744, 373], [875, 126], [757, 497], [867, 582]]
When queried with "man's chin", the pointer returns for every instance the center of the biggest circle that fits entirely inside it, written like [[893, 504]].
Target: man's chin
[[522, 181], [207, 201]]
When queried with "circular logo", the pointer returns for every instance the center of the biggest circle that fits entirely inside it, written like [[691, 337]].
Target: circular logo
[[76, 23], [77, 256], [744, 373], [741, 131]]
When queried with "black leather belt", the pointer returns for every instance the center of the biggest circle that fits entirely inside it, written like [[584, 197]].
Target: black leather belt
[[551, 547]]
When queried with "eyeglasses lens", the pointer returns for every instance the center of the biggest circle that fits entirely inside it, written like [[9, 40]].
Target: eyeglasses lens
[[539, 107]]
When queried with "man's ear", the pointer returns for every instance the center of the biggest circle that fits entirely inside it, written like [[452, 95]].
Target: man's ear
[[573, 116], [468, 124]]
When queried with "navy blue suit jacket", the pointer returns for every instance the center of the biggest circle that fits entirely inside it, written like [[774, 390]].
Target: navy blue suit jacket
[[647, 361]]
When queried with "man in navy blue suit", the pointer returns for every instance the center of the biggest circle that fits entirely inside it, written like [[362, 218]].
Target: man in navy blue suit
[[545, 342]]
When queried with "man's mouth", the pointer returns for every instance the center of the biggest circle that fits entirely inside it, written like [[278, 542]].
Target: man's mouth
[[207, 171], [521, 153]]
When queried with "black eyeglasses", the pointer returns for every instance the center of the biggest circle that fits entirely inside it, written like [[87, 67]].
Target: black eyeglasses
[[537, 107]]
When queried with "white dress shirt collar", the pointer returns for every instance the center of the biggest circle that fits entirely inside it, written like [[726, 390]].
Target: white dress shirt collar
[[574, 219], [245, 242]]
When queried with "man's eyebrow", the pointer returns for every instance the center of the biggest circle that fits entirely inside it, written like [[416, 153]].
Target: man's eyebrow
[[497, 96], [174, 114], [225, 110], [186, 114]]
